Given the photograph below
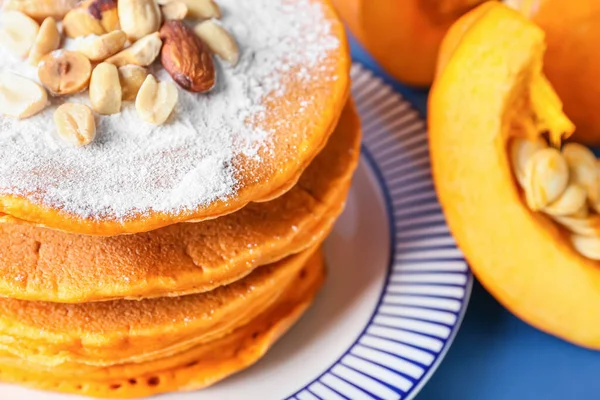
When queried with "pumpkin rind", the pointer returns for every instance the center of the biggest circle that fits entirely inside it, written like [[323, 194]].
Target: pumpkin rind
[[571, 61], [403, 35]]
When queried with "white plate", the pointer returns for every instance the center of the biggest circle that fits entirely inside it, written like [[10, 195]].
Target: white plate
[[397, 289]]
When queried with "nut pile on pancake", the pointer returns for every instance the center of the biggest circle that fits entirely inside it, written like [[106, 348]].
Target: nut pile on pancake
[[169, 171]]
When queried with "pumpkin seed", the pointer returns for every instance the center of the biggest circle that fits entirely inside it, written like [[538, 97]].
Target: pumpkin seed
[[587, 226], [546, 178], [587, 246], [521, 150], [582, 169], [596, 204], [583, 212], [570, 202]]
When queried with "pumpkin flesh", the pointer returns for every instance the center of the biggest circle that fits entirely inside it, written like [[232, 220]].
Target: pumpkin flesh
[[489, 88]]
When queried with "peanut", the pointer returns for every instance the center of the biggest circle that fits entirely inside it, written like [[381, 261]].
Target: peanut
[[105, 89], [199, 9], [143, 52], [139, 17], [47, 40], [64, 72], [174, 10], [132, 77], [219, 41], [155, 101], [99, 48], [18, 33], [20, 97], [75, 123]]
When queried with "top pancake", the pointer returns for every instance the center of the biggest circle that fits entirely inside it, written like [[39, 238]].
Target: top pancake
[[248, 140], [43, 264]]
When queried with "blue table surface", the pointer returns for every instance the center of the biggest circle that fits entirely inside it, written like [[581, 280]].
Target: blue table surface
[[495, 355]]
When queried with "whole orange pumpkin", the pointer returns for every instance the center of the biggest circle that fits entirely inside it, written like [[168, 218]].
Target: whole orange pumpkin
[[572, 60], [403, 35]]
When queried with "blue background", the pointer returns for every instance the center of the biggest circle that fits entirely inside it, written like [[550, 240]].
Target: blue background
[[495, 355]]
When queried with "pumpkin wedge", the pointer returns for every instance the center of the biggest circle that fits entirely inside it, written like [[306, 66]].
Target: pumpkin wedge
[[403, 35], [572, 61], [489, 82]]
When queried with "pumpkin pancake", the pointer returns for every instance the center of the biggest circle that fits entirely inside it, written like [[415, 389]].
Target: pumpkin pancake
[[191, 369], [47, 265], [124, 331], [247, 140]]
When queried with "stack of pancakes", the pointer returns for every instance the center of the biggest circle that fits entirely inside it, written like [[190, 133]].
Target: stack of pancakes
[[154, 300]]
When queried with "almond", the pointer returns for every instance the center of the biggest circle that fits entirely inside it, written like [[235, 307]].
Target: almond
[[105, 89], [143, 52], [18, 32], [75, 123], [41, 9], [64, 72], [187, 58], [155, 101], [199, 9], [219, 40], [174, 10], [99, 48], [47, 40], [131, 77], [139, 17], [20, 97], [92, 17]]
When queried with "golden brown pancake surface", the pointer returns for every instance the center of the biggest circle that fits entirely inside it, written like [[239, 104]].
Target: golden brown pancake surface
[[47, 265], [125, 331], [192, 369]]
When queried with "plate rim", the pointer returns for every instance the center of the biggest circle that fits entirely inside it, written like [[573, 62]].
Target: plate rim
[[364, 75]]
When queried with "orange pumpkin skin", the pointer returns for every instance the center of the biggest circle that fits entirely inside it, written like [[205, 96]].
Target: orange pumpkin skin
[[490, 60], [403, 35], [572, 60], [349, 11]]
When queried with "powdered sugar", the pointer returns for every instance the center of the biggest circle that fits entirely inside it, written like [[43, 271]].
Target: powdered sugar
[[134, 167]]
